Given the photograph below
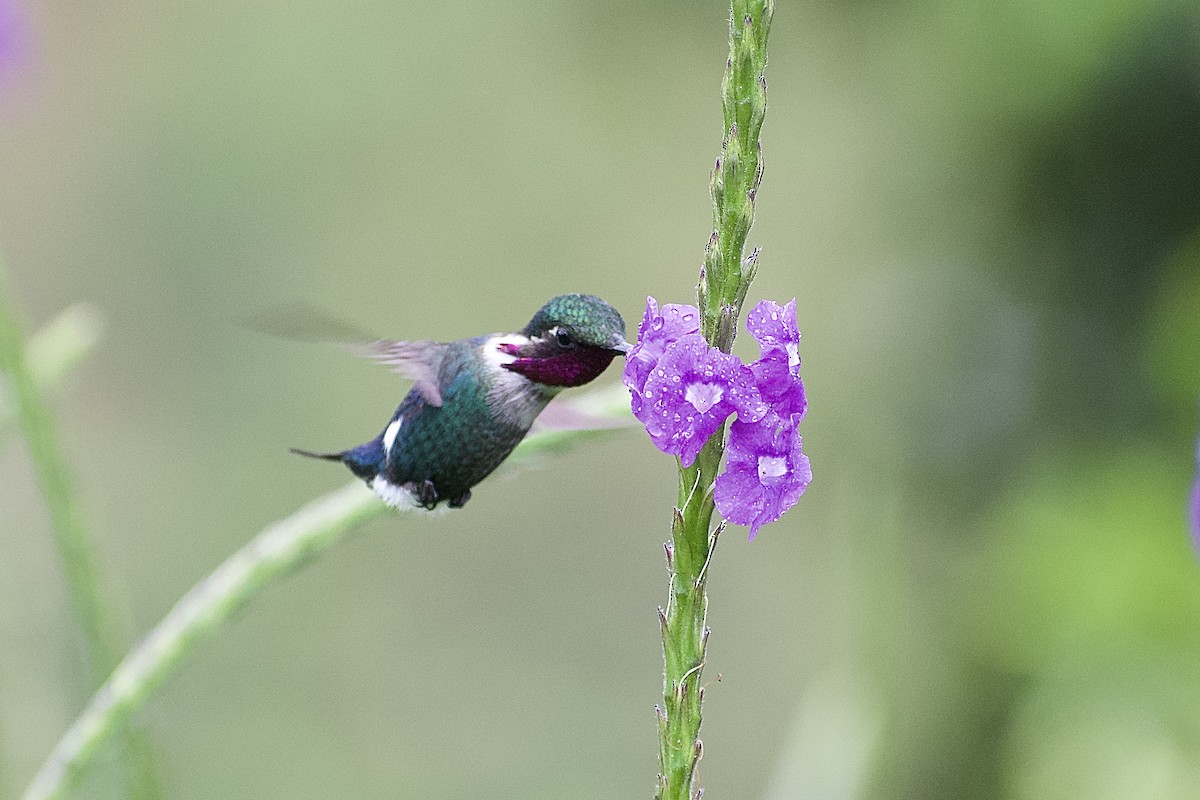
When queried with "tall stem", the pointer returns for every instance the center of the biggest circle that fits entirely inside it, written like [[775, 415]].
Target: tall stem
[[276, 552], [270, 556], [736, 176], [74, 547], [724, 280], [684, 625]]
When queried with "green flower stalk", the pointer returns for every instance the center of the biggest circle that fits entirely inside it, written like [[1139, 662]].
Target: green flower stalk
[[273, 554], [74, 546], [736, 176], [724, 281]]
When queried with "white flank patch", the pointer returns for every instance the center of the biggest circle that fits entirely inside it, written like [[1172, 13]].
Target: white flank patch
[[395, 496], [400, 498], [389, 435]]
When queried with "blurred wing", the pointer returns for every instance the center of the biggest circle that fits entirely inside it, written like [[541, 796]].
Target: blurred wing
[[419, 361], [303, 323]]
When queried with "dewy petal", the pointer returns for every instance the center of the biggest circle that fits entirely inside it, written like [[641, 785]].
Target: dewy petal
[[648, 317], [738, 495], [777, 502], [766, 470], [775, 327], [657, 331], [771, 469], [765, 473], [694, 362], [780, 387], [679, 320], [691, 392], [639, 362], [778, 370], [703, 395]]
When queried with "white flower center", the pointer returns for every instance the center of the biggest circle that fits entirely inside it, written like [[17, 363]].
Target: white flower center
[[771, 469], [703, 396]]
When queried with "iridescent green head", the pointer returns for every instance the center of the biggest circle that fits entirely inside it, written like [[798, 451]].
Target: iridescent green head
[[570, 341], [582, 319]]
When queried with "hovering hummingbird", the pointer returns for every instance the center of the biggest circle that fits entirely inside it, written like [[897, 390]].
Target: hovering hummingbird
[[473, 400]]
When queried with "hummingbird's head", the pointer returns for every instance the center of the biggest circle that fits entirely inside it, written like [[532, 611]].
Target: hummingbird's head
[[571, 340]]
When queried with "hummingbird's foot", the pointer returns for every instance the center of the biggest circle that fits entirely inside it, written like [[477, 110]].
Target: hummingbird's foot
[[425, 493], [461, 501]]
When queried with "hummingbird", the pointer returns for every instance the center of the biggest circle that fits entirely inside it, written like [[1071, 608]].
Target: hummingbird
[[473, 400]]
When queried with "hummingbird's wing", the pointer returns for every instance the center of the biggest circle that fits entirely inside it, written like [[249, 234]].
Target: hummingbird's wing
[[418, 361], [300, 322]]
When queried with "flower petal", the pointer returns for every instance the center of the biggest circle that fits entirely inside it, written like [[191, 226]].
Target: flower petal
[[693, 389], [780, 387], [657, 331], [765, 474], [775, 327]]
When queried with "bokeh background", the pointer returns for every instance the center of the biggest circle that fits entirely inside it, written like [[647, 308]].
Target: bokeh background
[[989, 214]]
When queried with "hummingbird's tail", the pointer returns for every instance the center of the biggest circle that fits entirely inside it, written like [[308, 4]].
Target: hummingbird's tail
[[311, 454], [365, 461]]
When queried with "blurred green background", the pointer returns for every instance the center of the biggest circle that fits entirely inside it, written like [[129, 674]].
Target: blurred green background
[[989, 214]]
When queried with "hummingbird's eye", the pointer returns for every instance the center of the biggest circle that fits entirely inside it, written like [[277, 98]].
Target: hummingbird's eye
[[563, 337]]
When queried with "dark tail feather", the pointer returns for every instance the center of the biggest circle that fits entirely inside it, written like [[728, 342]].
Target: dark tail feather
[[365, 461], [310, 454]]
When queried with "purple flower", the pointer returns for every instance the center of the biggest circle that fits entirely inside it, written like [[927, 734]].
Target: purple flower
[[655, 334], [691, 392], [765, 472], [683, 391], [775, 328], [778, 370], [780, 387]]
